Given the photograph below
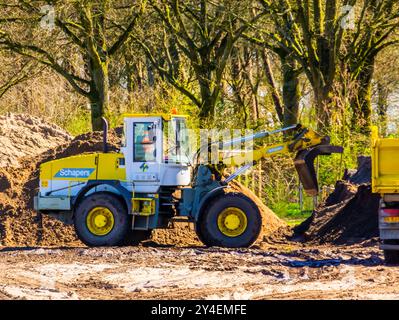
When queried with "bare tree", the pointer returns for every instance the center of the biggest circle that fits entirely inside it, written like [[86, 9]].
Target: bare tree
[[375, 30], [82, 33], [315, 34], [203, 33]]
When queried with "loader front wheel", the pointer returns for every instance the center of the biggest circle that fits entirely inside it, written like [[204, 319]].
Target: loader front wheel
[[101, 220], [231, 220]]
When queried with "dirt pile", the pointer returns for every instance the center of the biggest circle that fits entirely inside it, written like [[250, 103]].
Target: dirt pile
[[181, 234], [20, 225], [273, 227], [349, 214], [24, 135]]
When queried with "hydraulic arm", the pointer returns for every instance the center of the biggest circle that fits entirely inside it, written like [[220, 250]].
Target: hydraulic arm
[[307, 143]]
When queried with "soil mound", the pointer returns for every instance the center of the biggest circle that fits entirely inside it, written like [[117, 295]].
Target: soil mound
[[273, 228], [5, 181], [349, 214], [24, 135], [181, 234], [20, 225]]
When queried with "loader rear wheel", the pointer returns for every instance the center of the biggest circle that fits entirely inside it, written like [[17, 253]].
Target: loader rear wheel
[[101, 220], [231, 220]]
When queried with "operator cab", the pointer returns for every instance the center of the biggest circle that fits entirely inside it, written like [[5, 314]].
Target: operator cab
[[157, 151]]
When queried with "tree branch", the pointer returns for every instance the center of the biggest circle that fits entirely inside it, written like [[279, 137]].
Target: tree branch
[[126, 34]]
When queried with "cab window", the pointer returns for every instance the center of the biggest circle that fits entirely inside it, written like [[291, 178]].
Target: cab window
[[144, 142], [179, 149]]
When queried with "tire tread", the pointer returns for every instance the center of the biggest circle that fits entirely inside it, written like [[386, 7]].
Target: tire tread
[[203, 228]]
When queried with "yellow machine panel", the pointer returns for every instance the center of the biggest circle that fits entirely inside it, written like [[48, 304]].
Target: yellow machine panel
[[143, 206], [80, 167], [385, 164], [100, 166], [111, 167]]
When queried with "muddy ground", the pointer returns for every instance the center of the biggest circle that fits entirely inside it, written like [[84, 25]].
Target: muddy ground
[[289, 271]]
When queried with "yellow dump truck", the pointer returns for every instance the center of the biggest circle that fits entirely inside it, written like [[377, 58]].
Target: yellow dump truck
[[385, 181]]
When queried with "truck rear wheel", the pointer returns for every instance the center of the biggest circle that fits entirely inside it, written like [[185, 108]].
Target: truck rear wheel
[[101, 220], [231, 220], [391, 257]]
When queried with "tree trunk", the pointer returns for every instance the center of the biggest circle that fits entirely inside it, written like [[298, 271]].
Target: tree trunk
[[251, 80], [208, 101], [275, 92], [208, 104], [175, 56], [150, 74], [361, 104], [99, 93], [291, 94], [134, 76], [382, 109], [323, 100]]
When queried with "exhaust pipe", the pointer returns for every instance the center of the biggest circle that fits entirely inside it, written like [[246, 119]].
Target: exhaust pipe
[[304, 165], [105, 135]]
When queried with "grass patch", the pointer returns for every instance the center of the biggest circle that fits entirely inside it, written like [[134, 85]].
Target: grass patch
[[291, 213], [79, 124], [294, 222]]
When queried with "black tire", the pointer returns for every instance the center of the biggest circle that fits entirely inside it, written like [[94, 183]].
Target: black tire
[[134, 237], [121, 223], [391, 257], [209, 231]]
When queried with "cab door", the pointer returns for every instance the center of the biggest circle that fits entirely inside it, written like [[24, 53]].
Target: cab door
[[146, 150]]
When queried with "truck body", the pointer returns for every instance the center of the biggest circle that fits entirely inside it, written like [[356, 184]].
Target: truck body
[[385, 181]]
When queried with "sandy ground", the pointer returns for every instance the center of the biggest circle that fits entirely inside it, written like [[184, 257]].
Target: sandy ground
[[151, 272]]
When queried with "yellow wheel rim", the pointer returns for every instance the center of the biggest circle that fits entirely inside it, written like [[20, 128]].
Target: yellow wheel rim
[[232, 222], [100, 221]]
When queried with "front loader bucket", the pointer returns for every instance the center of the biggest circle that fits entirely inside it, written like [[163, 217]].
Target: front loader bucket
[[304, 165]]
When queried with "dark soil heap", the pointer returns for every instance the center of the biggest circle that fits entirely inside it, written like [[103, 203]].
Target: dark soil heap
[[20, 225], [350, 213]]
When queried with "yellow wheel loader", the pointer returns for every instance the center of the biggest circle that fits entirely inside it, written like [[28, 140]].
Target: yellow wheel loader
[[117, 198]]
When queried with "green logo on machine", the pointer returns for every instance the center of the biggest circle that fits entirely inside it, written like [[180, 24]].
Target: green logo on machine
[[144, 167]]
